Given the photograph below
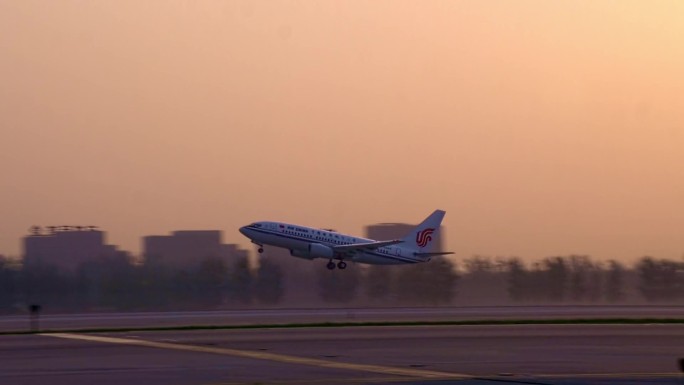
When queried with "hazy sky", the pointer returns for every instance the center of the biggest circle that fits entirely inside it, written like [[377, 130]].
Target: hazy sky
[[541, 127]]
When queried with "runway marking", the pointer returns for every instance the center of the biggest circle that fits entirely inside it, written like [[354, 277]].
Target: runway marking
[[327, 381], [283, 358], [611, 375]]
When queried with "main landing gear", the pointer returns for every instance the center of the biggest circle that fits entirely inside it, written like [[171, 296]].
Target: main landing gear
[[340, 265]]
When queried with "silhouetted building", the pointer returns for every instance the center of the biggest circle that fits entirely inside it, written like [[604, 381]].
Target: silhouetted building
[[387, 231], [187, 248], [67, 247]]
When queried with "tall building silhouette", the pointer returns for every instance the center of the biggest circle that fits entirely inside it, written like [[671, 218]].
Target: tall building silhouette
[[183, 249], [66, 247]]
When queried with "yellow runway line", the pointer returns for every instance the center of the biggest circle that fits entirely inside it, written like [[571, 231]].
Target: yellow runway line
[[283, 358], [627, 375], [328, 381]]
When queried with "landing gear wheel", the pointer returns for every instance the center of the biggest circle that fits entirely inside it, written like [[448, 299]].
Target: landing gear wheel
[[330, 265], [342, 265], [260, 250]]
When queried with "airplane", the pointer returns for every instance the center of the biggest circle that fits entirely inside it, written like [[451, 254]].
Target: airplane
[[310, 243]]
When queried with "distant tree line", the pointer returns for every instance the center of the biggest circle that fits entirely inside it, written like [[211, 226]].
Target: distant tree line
[[560, 279], [113, 283], [429, 284], [578, 279], [116, 284]]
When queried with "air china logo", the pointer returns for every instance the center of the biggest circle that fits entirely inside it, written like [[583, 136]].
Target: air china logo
[[424, 237]]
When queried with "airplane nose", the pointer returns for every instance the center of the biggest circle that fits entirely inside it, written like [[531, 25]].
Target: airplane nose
[[243, 230]]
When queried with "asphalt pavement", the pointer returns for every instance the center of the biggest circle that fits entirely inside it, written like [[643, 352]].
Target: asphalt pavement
[[530, 354]]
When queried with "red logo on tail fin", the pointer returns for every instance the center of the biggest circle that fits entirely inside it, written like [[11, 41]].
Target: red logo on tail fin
[[424, 237]]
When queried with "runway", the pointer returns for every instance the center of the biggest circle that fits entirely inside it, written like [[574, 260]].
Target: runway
[[271, 316], [465, 355]]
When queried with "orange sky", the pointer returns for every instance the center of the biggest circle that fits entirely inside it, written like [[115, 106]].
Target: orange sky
[[542, 127]]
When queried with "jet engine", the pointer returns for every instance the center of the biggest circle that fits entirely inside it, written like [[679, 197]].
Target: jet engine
[[315, 250], [301, 254]]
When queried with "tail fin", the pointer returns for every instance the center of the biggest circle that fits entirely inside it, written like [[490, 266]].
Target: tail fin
[[422, 238]]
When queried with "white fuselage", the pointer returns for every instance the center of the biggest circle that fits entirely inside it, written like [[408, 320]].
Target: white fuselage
[[298, 239]]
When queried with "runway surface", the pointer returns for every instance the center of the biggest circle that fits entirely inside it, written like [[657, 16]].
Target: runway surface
[[464, 355], [270, 316]]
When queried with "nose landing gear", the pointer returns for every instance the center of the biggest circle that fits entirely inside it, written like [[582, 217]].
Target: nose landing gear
[[260, 249]]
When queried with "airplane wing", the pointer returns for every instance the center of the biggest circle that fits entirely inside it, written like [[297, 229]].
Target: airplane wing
[[365, 245]]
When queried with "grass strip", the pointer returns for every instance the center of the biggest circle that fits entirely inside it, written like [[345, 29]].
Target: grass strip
[[483, 322]]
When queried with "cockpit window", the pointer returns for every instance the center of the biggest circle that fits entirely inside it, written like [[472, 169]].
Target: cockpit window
[[257, 225]]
